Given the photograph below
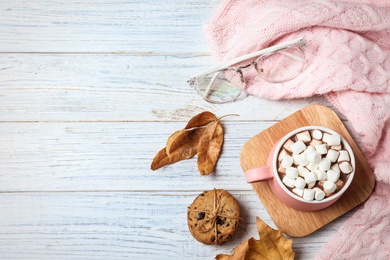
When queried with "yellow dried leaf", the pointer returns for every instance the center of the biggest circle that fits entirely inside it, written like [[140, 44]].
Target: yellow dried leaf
[[272, 245], [238, 253]]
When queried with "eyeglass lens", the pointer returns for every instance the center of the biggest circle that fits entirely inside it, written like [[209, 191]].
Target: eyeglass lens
[[281, 66], [220, 87]]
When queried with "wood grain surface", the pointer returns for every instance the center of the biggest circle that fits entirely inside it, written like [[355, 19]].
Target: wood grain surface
[[295, 222], [89, 93]]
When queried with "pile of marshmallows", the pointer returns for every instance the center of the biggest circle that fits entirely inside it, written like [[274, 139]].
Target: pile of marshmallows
[[311, 166]]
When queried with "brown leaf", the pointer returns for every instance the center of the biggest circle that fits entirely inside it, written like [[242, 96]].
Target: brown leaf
[[177, 149], [191, 133], [272, 245], [162, 159], [209, 147], [184, 139], [201, 120], [183, 144], [171, 144]]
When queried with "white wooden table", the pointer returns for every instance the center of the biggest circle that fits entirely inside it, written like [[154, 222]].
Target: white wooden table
[[89, 92]]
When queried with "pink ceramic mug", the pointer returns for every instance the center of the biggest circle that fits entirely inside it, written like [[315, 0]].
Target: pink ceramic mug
[[270, 173]]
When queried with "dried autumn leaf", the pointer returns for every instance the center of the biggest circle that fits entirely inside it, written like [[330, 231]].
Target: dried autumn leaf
[[162, 159], [272, 245], [183, 138], [172, 143], [191, 133], [238, 253], [183, 144], [201, 120], [209, 147], [177, 151]]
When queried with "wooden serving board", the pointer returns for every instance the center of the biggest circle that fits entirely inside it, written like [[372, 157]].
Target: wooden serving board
[[294, 222]]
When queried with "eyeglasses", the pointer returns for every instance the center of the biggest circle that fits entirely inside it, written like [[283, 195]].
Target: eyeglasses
[[275, 64]]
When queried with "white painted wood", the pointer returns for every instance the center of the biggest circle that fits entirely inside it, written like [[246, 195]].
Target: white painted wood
[[89, 92], [109, 156], [116, 225], [104, 26], [69, 87]]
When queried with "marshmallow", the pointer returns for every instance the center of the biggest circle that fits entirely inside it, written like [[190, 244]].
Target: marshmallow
[[318, 194], [329, 186], [339, 184], [287, 161], [335, 167], [301, 159], [332, 175], [302, 171], [312, 166], [321, 175], [325, 137], [292, 172], [321, 149], [321, 184], [297, 191], [332, 155], [336, 147], [287, 145], [324, 164], [281, 155], [309, 149], [344, 156], [333, 140], [288, 181], [298, 147], [314, 157], [304, 137], [317, 134], [315, 142], [299, 183], [310, 177], [345, 167], [311, 184], [295, 158], [308, 194]]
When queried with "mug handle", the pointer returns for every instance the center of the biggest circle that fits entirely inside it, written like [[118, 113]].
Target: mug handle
[[258, 174]]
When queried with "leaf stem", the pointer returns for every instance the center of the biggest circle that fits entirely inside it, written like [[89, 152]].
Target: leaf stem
[[228, 115]]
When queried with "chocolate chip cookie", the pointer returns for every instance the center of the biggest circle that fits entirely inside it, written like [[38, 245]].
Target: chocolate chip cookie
[[213, 217]]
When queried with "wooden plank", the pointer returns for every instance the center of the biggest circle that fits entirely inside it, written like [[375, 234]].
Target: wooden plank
[[110, 156], [77, 225], [104, 26], [71, 87]]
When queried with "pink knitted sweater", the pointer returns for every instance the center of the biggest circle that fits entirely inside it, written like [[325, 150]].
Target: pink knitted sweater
[[348, 61]]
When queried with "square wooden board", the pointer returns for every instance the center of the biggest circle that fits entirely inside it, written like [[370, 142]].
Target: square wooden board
[[294, 222]]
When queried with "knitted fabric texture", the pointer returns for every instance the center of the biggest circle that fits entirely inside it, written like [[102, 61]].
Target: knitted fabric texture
[[348, 61]]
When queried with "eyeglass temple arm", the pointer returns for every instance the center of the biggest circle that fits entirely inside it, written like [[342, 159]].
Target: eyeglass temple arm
[[230, 63]]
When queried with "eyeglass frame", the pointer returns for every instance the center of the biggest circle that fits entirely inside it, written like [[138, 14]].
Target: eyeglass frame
[[228, 65]]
